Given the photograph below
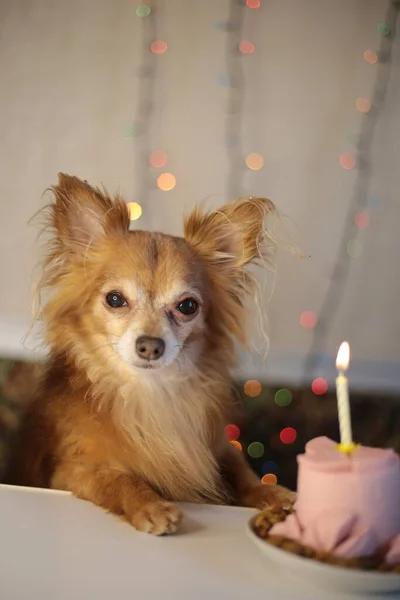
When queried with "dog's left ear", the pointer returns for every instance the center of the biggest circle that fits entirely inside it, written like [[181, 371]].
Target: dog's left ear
[[233, 236]]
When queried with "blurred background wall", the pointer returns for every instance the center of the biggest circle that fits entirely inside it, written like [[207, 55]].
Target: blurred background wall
[[297, 100]]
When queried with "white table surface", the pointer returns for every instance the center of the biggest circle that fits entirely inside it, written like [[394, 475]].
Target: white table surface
[[55, 547]]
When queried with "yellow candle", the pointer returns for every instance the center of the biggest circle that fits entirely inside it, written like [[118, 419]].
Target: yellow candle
[[342, 392]]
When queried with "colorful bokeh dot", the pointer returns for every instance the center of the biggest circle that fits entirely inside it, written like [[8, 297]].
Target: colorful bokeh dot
[[270, 466], [252, 388], [347, 161], [253, 3], [166, 182], [288, 435], [319, 386], [383, 29], [237, 445], [246, 47], [255, 449], [143, 10], [363, 105], [129, 132], [269, 479], [224, 80], [158, 47], [371, 57], [158, 158], [283, 397], [308, 319], [232, 432], [354, 248], [254, 161], [135, 211], [361, 219]]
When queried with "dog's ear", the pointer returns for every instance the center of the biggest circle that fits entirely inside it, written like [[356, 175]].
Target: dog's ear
[[233, 236], [81, 214]]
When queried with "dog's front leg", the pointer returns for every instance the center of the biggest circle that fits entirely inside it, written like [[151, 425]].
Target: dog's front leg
[[246, 487], [121, 493]]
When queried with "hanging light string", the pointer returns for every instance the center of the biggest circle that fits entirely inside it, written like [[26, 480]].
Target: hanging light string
[[145, 107], [235, 104], [359, 201]]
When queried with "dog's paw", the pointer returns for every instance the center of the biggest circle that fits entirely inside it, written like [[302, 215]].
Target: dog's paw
[[268, 496], [159, 517]]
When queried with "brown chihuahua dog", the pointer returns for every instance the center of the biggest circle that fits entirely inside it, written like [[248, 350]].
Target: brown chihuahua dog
[[141, 329]]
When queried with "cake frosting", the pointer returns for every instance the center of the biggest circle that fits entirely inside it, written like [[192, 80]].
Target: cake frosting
[[348, 505]]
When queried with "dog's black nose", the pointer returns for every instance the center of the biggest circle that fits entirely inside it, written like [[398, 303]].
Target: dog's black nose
[[150, 348]]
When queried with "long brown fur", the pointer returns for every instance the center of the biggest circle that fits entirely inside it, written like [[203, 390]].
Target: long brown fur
[[129, 439]]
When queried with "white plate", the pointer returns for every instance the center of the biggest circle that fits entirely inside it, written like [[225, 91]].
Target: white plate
[[354, 581]]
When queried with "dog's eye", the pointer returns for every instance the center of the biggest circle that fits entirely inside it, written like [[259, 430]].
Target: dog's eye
[[188, 306], [116, 300]]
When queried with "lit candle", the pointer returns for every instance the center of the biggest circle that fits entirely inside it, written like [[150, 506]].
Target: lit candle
[[342, 392]]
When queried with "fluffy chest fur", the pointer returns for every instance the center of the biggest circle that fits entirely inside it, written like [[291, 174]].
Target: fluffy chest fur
[[173, 429]]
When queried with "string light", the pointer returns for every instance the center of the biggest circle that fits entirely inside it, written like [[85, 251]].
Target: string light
[[253, 3], [383, 29], [255, 449], [232, 432], [361, 220], [347, 161], [354, 248], [237, 445], [166, 182], [158, 158], [129, 132], [246, 47], [288, 435], [254, 161], [319, 386], [370, 57], [135, 211], [363, 105], [270, 466], [252, 388], [308, 319], [143, 10], [159, 47], [283, 397], [269, 479]]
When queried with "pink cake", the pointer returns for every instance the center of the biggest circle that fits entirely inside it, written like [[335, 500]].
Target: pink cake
[[347, 505]]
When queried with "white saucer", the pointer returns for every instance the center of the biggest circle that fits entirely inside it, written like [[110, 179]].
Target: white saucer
[[331, 577]]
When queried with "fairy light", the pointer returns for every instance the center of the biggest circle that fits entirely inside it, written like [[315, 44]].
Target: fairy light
[[371, 57], [347, 161], [361, 198], [363, 105], [308, 319], [252, 388], [135, 211], [254, 161], [319, 386], [288, 435], [166, 182], [129, 132], [354, 248], [269, 479], [246, 47], [383, 29], [159, 47], [361, 219], [237, 445], [232, 432], [283, 397], [255, 449], [253, 3], [158, 158], [270, 466], [143, 10]]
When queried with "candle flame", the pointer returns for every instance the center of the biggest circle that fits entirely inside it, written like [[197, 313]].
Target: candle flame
[[343, 357]]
